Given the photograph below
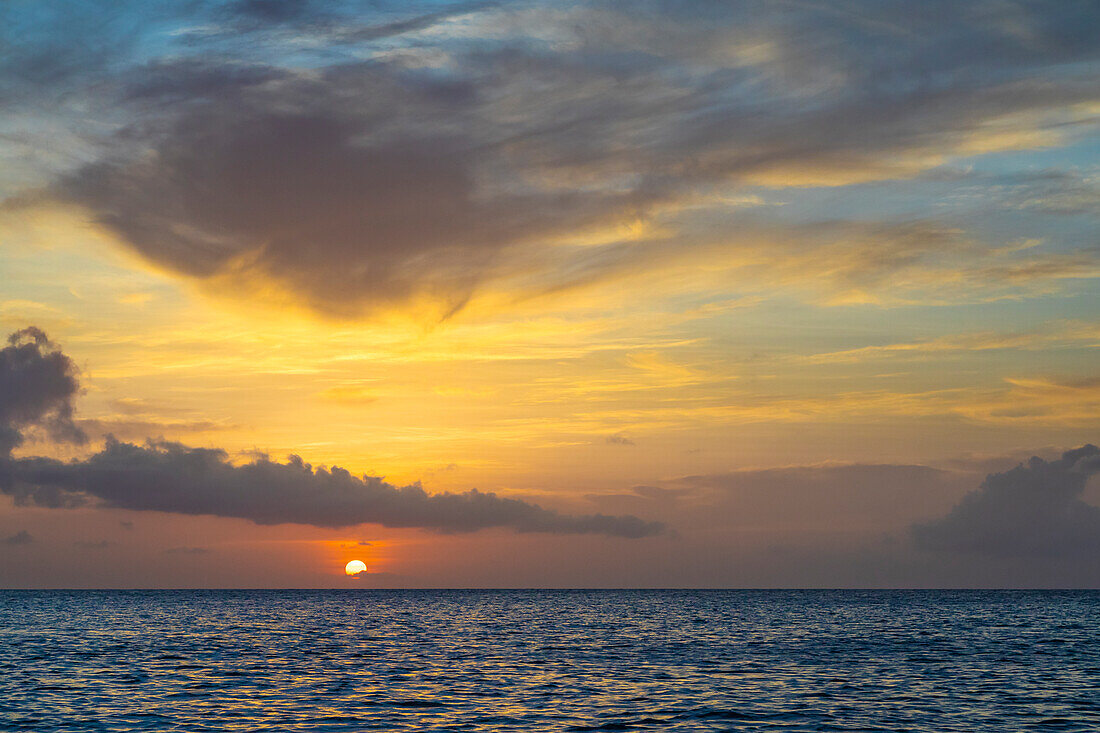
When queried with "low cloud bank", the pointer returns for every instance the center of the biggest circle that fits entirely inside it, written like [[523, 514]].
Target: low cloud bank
[[170, 477], [1031, 511], [39, 384]]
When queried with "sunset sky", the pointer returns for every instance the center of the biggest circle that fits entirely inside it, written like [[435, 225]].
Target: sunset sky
[[731, 294]]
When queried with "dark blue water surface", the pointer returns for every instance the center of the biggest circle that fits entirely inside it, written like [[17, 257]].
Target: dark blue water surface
[[549, 660]]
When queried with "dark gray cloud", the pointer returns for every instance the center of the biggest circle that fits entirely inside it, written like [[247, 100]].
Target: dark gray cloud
[[355, 188], [22, 537], [448, 161], [1031, 511], [619, 439], [170, 477], [38, 383], [37, 387]]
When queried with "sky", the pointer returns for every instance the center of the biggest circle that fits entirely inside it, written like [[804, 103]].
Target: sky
[[550, 294]]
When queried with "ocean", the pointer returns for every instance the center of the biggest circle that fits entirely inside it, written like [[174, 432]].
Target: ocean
[[549, 660]]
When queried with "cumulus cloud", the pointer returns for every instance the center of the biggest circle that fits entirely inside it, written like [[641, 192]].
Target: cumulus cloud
[[1031, 511], [476, 139], [37, 386], [170, 477]]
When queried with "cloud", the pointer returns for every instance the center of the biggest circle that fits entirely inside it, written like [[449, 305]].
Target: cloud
[[1051, 191], [619, 439], [850, 261], [1031, 511], [803, 504], [1037, 400], [171, 477], [22, 537], [37, 387], [134, 428], [1053, 334], [475, 142], [354, 188], [658, 492], [826, 497]]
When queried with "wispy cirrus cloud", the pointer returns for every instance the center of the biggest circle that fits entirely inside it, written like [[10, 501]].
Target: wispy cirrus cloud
[[414, 158], [1076, 334]]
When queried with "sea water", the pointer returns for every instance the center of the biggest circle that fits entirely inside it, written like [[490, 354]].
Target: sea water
[[549, 660]]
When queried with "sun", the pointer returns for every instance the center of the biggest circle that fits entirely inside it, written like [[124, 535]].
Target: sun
[[355, 567]]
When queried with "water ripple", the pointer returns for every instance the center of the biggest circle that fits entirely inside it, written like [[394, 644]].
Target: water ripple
[[550, 660]]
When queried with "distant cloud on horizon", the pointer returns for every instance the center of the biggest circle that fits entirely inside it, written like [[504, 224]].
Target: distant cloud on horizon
[[1031, 511]]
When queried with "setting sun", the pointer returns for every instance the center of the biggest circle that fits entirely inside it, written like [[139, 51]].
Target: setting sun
[[355, 567]]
